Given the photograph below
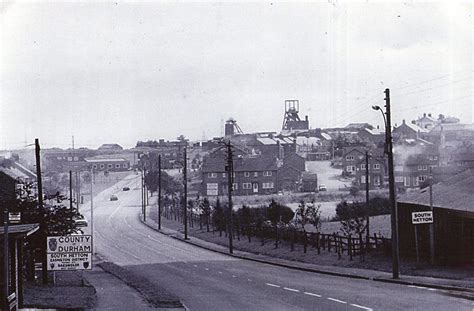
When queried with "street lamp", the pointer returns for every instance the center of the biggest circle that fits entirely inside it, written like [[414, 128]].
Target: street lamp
[[391, 180]]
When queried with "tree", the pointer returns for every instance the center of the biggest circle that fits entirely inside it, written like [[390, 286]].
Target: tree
[[352, 217], [308, 214], [218, 217], [206, 210]]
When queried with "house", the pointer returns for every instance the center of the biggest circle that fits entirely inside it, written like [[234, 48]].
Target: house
[[377, 172], [309, 182], [453, 210], [313, 148], [252, 175], [59, 160], [426, 121], [408, 131], [413, 168], [100, 163], [290, 170], [451, 135], [374, 136], [463, 157], [350, 158]]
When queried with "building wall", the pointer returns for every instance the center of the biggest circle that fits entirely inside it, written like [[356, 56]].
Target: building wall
[[246, 181], [111, 166]]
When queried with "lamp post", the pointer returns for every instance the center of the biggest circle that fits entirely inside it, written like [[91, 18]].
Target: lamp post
[[391, 180]]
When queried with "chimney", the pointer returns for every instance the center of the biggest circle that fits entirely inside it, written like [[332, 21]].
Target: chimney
[[429, 115], [424, 114], [403, 121]]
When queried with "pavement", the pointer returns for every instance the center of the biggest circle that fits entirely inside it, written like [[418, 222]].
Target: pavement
[[113, 294], [458, 288]]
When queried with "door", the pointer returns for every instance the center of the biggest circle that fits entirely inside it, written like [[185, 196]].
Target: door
[[255, 187]]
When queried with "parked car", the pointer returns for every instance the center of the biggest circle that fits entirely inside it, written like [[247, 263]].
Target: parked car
[[126, 188], [322, 188], [113, 197]]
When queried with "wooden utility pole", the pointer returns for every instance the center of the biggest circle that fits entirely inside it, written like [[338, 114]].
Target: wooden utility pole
[[230, 179], [159, 192], [6, 265], [70, 189], [367, 181], [185, 184], [44, 268], [391, 178], [432, 241]]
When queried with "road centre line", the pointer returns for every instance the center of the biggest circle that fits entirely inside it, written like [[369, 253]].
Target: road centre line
[[291, 289], [272, 285], [336, 300], [361, 307], [312, 294]]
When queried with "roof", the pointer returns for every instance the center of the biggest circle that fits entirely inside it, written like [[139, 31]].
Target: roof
[[350, 149], [110, 146], [13, 173], [374, 131], [453, 193], [217, 164], [413, 127], [326, 136], [24, 229], [358, 125], [307, 176]]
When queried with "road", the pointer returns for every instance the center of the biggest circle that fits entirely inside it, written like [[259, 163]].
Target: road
[[205, 280]]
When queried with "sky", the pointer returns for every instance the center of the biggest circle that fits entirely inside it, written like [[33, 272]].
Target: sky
[[118, 72]]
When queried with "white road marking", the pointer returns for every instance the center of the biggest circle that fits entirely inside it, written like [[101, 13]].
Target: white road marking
[[207, 269], [272, 285], [233, 276], [220, 272], [312, 294], [336, 300], [195, 266], [432, 289], [249, 280], [291, 289], [361, 307]]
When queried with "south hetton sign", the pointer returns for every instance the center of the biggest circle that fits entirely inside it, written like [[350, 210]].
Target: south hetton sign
[[72, 252], [419, 218]]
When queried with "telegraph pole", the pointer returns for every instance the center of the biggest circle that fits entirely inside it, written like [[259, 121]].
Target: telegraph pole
[[367, 194], [144, 193], [432, 241], [44, 268], [230, 178], [391, 178], [159, 192], [70, 189], [92, 210], [6, 265], [185, 181]]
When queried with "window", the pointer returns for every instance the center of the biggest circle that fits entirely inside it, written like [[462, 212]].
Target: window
[[422, 178], [246, 185], [415, 182], [247, 174], [377, 180], [212, 175], [362, 179], [110, 166], [362, 166], [425, 167], [94, 166], [60, 158], [255, 174], [125, 165], [267, 185], [235, 186], [399, 179], [350, 168], [350, 158], [406, 181], [224, 175], [267, 173], [76, 158], [117, 165], [420, 167], [102, 165], [69, 159], [376, 166]]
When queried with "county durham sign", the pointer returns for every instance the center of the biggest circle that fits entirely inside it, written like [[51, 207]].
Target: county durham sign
[[72, 252]]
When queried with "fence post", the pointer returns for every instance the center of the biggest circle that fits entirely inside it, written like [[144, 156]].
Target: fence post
[[318, 246], [349, 246], [338, 247], [362, 248], [292, 239]]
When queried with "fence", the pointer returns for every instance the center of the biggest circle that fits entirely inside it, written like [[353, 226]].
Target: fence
[[351, 246]]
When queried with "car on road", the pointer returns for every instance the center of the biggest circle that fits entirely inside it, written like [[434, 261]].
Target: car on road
[[113, 197], [322, 188], [80, 222], [126, 188]]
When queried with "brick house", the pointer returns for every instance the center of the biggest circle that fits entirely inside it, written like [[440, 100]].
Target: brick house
[[416, 168], [377, 172], [408, 131], [252, 175], [350, 158]]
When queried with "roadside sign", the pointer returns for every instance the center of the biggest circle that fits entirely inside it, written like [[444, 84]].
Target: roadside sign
[[71, 252], [70, 244], [14, 217], [69, 261], [419, 218]]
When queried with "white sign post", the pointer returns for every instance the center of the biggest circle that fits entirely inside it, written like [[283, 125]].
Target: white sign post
[[212, 189], [419, 218], [72, 252]]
